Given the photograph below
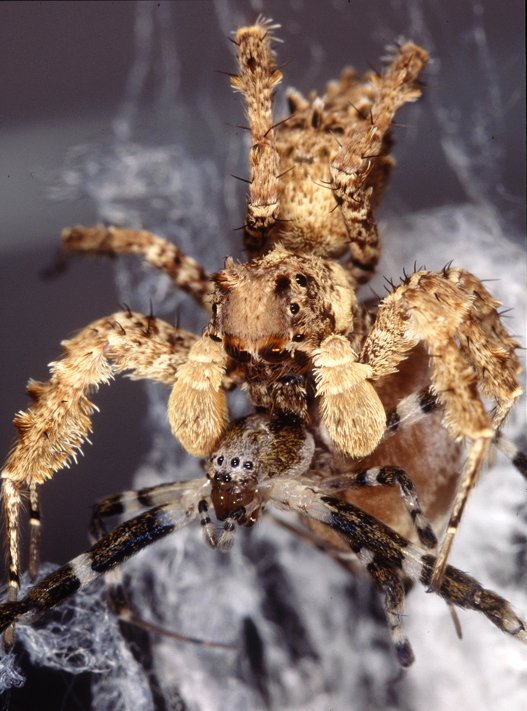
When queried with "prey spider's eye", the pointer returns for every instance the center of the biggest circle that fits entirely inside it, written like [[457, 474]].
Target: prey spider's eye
[[220, 460], [248, 465], [301, 279], [235, 462], [294, 308]]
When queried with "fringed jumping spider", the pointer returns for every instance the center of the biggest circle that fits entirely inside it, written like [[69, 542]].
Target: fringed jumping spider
[[330, 378]]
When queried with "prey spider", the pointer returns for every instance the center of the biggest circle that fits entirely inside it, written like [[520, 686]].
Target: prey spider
[[322, 369]]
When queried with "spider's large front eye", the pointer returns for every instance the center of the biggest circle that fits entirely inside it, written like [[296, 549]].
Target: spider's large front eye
[[301, 279], [235, 462], [221, 459]]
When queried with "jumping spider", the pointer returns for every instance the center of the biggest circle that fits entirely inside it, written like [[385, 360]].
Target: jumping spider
[[331, 379]]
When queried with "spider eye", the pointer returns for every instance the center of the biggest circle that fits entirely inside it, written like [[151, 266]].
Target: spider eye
[[298, 337], [235, 462], [248, 465], [301, 279], [294, 308], [214, 309], [220, 460]]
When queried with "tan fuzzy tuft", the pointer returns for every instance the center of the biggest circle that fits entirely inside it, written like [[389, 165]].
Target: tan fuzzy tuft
[[350, 407], [197, 407]]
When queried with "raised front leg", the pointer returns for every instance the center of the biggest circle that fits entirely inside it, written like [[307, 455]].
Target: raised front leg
[[257, 80], [158, 252], [471, 354], [357, 169]]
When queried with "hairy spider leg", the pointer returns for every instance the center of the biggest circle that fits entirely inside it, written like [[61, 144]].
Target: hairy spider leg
[[256, 81], [357, 169], [471, 354], [53, 429], [156, 251]]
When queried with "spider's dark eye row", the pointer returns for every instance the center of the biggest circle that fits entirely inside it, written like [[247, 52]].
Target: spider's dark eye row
[[235, 462], [301, 279], [221, 460], [294, 308], [248, 465]]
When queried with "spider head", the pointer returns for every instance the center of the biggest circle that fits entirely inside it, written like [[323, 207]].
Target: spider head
[[276, 305]]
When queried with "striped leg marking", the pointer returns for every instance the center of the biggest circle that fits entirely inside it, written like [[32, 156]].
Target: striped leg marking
[[363, 531], [34, 531], [110, 551], [390, 584], [390, 476]]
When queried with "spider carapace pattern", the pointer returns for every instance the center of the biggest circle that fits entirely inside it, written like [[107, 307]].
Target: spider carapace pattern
[[346, 396]]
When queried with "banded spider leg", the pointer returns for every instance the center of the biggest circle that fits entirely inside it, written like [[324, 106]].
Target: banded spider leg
[[260, 461]]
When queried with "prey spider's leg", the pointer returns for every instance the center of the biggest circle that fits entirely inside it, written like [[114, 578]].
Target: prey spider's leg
[[111, 550], [52, 430], [34, 531], [416, 406], [365, 533], [393, 589], [356, 163], [158, 252], [388, 476], [127, 502], [510, 450], [257, 79], [410, 409]]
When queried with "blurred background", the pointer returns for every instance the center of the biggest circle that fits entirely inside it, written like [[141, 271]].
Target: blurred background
[[77, 78]]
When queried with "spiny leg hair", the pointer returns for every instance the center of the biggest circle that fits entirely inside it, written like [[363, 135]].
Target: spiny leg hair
[[158, 252], [52, 430]]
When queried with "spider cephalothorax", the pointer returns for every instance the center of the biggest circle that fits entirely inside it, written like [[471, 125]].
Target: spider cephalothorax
[[280, 304]]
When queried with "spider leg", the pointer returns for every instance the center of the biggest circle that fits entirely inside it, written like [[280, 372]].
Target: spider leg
[[471, 355], [52, 430], [392, 587], [111, 550], [158, 252], [128, 502], [369, 537], [388, 476], [34, 531], [419, 405], [357, 167], [257, 79]]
